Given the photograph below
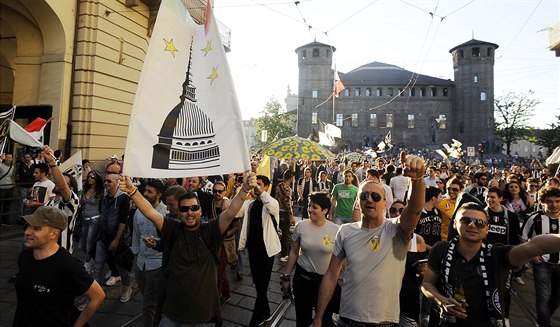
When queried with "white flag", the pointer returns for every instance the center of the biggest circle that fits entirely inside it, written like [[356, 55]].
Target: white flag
[[185, 119], [73, 166], [21, 136]]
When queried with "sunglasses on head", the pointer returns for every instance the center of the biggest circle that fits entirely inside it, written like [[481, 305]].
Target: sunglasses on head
[[454, 189], [479, 223], [374, 196], [393, 210], [193, 208], [218, 191]]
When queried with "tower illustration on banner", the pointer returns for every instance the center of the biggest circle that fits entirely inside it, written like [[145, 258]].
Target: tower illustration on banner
[[187, 138]]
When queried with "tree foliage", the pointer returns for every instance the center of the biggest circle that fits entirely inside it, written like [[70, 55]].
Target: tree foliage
[[550, 137], [277, 123], [513, 111]]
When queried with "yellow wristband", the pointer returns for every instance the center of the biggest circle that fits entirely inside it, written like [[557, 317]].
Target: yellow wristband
[[133, 192]]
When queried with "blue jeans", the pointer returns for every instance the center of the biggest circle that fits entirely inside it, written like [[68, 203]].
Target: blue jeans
[[90, 231], [547, 291], [166, 322]]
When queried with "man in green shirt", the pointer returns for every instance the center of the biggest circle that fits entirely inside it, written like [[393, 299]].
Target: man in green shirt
[[343, 198]]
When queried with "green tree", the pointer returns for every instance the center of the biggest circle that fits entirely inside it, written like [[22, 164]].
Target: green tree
[[278, 124], [549, 138], [513, 112]]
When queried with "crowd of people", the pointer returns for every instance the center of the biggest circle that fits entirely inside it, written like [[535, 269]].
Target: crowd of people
[[390, 241]]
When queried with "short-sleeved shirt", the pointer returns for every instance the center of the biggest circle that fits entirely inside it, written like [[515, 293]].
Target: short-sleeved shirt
[[376, 263], [46, 288], [470, 274], [316, 243], [43, 191], [345, 197], [429, 226], [503, 229], [70, 209], [538, 224], [192, 289]]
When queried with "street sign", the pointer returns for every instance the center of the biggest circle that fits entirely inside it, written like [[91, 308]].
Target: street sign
[[470, 151]]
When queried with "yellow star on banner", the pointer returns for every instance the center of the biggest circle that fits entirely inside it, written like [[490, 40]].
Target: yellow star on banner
[[214, 75], [207, 48], [170, 47]]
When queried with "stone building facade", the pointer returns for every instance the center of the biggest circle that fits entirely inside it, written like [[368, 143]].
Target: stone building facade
[[418, 110]]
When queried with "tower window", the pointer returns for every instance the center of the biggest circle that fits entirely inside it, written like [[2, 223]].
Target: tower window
[[339, 119], [461, 54], [475, 78], [357, 92], [346, 121], [422, 91], [489, 52], [368, 92], [347, 92], [354, 120], [410, 121], [313, 118], [328, 53], [379, 92], [389, 122], [314, 94], [412, 92], [482, 96], [445, 92], [476, 52], [401, 91], [434, 91], [315, 52], [390, 92], [303, 54], [372, 120]]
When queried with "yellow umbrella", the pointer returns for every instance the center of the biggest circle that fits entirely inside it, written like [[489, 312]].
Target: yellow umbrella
[[296, 148]]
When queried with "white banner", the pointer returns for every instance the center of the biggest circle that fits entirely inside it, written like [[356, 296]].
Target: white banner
[[185, 119]]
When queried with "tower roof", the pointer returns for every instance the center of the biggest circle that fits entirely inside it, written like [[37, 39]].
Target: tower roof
[[378, 73], [316, 44], [474, 42]]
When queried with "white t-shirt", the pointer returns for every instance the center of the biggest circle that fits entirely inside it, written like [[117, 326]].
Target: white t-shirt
[[43, 191], [373, 276], [316, 243], [399, 185]]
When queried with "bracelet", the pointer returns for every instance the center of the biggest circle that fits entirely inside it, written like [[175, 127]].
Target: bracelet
[[133, 192], [244, 190], [416, 178]]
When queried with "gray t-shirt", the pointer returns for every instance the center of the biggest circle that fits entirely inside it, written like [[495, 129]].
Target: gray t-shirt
[[316, 243], [373, 276]]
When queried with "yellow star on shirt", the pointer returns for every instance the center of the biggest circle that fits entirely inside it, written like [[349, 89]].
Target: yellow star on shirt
[[207, 48], [170, 47], [214, 75]]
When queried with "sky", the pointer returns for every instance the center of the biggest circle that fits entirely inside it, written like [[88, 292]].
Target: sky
[[265, 33]]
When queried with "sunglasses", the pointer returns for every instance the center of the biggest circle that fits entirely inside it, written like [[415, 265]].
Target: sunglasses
[[374, 196], [438, 182], [91, 177], [454, 189], [107, 181], [193, 208], [393, 210], [533, 186], [479, 223], [218, 191]]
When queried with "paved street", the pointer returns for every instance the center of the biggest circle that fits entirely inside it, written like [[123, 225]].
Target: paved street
[[236, 313]]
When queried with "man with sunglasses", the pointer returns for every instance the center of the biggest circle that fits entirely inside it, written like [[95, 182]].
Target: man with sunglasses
[[192, 288], [375, 251], [447, 205], [479, 188], [467, 278], [115, 208]]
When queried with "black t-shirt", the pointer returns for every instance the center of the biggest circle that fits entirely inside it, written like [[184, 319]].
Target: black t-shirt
[[429, 226], [255, 240], [46, 288], [502, 230], [192, 288], [471, 276]]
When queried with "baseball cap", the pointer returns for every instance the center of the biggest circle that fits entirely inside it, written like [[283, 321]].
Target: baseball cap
[[47, 216]]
